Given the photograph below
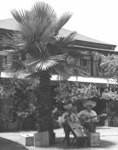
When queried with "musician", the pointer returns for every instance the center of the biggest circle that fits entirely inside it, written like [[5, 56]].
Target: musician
[[88, 116], [68, 115]]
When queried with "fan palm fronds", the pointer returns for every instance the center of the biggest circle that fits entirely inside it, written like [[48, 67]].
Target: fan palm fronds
[[61, 22], [44, 63], [38, 28], [66, 41]]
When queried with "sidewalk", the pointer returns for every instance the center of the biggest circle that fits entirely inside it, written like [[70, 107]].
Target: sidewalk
[[108, 135]]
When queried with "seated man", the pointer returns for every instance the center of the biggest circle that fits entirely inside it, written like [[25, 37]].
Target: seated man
[[88, 117], [68, 116]]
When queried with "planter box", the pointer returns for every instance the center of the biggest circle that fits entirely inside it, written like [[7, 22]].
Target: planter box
[[27, 139], [41, 139], [94, 139]]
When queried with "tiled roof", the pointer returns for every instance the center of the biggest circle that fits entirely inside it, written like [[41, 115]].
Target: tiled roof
[[65, 32], [11, 24]]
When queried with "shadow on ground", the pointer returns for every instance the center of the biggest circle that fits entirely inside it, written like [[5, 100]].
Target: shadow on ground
[[107, 144], [61, 145], [6, 144]]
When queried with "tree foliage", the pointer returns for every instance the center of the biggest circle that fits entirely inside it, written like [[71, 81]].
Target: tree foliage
[[110, 95], [109, 65], [75, 92], [18, 97]]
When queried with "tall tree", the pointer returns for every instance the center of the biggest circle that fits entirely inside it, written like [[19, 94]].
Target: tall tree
[[43, 52]]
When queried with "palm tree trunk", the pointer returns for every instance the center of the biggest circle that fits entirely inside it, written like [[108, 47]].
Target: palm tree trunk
[[45, 105]]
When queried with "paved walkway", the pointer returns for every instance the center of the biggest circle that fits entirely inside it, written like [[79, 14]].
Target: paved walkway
[[108, 135]]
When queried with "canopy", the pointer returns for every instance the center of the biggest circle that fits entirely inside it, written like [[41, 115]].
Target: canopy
[[87, 79], [72, 78]]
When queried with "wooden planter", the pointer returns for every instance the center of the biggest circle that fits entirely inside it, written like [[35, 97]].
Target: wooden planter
[[94, 139], [41, 139], [27, 139]]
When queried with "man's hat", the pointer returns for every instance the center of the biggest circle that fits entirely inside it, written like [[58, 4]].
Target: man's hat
[[89, 103]]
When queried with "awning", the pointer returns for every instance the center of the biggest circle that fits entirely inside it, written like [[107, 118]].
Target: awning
[[72, 78], [87, 79]]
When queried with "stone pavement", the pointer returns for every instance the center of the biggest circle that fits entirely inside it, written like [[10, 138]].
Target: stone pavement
[[108, 136]]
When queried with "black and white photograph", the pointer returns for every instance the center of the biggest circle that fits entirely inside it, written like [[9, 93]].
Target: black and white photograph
[[59, 75]]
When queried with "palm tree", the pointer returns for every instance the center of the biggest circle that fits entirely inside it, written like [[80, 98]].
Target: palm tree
[[43, 51]]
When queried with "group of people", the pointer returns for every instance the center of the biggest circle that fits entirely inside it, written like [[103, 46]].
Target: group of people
[[86, 118]]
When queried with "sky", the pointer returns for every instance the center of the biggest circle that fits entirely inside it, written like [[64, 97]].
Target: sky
[[97, 19]]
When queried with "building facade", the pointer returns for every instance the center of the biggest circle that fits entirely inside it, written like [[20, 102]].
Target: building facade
[[83, 52]]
